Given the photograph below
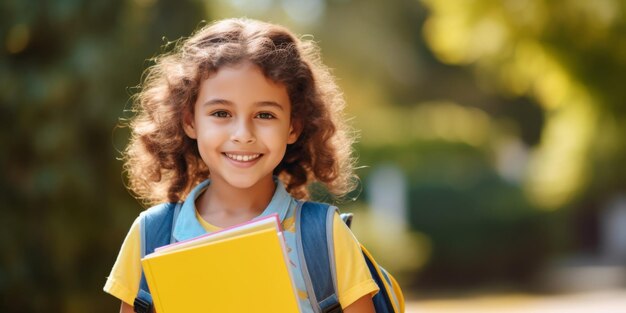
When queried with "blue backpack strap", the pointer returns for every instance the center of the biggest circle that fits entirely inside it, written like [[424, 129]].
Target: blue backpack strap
[[155, 231], [381, 300], [314, 231]]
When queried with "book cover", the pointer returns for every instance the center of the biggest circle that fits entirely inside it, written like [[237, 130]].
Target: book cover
[[240, 269]]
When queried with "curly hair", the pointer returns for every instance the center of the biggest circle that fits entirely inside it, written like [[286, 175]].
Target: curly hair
[[163, 163]]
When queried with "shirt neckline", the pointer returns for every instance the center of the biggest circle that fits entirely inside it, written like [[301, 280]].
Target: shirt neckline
[[187, 225]]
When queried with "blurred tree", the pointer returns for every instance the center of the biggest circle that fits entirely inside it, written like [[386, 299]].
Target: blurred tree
[[570, 57], [65, 70]]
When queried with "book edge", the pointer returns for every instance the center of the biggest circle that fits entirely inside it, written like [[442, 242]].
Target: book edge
[[221, 231]]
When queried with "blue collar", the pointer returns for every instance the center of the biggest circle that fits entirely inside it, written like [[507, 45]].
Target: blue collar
[[187, 225]]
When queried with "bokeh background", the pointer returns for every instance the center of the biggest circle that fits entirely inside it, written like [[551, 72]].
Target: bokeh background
[[491, 143]]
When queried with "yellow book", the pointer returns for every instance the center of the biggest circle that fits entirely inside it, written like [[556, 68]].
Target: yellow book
[[241, 269]]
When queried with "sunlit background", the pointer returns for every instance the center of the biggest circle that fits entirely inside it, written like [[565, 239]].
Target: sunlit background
[[491, 143]]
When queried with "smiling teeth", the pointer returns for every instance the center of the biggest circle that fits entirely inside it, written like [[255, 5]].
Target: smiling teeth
[[242, 158]]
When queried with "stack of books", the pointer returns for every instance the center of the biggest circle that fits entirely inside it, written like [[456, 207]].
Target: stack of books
[[243, 268]]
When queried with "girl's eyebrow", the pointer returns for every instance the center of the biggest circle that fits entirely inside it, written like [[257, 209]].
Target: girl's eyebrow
[[270, 104], [230, 103], [216, 101]]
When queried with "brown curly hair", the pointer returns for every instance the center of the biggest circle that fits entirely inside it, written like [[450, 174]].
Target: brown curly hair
[[163, 163]]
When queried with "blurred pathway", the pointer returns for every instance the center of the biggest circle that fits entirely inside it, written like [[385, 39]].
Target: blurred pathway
[[613, 301]]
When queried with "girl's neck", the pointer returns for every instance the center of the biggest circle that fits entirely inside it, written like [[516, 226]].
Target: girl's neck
[[224, 205]]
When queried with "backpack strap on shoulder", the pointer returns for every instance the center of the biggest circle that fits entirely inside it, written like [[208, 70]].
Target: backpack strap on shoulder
[[155, 228], [314, 241], [314, 231]]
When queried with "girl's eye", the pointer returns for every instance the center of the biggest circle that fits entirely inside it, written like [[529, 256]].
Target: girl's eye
[[265, 115], [220, 114]]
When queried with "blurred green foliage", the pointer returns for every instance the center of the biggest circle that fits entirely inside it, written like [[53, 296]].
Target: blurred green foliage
[[66, 69], [570, 57], [445, 90]]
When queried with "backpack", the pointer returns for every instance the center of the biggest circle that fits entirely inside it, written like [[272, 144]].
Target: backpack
[[318, 264]]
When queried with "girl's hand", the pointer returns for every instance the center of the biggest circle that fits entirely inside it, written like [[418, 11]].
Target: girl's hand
[[126, 308], [362, 305]]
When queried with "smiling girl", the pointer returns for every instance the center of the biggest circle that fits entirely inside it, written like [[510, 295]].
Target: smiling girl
[[233, 125]]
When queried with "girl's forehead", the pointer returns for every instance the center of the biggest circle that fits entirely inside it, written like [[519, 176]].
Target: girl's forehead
[[246, 68], [243, 82]]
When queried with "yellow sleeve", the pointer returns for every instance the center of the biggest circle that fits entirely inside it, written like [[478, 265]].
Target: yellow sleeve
[[353, 277], [123, 282]]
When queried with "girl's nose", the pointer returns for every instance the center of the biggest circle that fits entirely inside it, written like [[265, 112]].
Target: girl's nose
[[243, 133]]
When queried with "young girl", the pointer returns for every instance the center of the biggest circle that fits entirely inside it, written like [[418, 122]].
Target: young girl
[[235, 123]]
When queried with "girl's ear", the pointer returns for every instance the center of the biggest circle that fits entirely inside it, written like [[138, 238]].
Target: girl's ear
[[189, 125], [294, 131]]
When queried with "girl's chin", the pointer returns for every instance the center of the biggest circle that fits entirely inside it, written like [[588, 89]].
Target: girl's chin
[[245, 183]]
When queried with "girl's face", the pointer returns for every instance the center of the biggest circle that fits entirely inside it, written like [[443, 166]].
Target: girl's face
[[242, 125]]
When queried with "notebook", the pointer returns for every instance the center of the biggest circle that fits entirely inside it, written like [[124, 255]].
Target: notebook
[[239, 269]]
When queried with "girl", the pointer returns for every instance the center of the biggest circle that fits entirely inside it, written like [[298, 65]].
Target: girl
[[235, 123]]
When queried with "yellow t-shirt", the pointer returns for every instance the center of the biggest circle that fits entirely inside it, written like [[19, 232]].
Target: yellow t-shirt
[[353, 278]]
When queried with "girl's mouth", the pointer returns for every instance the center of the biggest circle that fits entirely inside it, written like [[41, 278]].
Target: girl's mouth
[[242, 157]]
